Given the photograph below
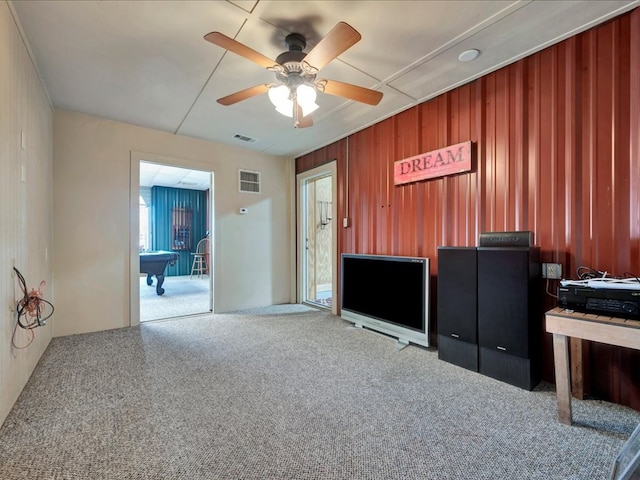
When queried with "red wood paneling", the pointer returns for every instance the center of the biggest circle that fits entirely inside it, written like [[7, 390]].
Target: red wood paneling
[[556, 140]]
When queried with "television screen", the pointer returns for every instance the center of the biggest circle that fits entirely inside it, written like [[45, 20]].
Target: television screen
[[388, 293]]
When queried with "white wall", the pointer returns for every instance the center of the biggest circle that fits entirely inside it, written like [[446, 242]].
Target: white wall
[[25, 207], [93, 222]]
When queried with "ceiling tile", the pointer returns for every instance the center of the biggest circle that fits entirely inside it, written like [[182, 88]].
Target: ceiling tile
[[146, 63]]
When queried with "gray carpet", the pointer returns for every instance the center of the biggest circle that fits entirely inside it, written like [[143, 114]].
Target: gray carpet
[[298, 395], [182, 296]]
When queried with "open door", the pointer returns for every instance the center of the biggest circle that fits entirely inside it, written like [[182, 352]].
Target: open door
[[172, 255]]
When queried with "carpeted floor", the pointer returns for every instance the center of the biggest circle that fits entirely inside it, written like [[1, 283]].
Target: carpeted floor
[[183, 296], [288, 395]]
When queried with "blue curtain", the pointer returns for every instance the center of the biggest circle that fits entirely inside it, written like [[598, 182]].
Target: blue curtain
[[178, 222]]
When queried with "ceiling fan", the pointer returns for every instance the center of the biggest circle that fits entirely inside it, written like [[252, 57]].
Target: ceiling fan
[[294, 94]]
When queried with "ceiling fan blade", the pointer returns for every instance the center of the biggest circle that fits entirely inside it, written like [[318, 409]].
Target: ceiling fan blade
[[305, 122], [243, 95], [238, 48], [298, 120], [352, 92], [338, 40]]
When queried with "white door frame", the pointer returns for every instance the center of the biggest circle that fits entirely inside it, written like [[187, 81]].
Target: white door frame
[[134, 222], [301, 179]]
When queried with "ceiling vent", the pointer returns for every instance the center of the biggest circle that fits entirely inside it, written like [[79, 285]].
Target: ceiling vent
[[249, 181], [244, 138]]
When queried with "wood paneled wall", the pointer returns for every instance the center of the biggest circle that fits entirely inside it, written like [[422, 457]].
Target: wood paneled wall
[[556, 151]]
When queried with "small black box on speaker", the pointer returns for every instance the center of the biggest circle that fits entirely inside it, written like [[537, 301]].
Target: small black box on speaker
[[506, 239]]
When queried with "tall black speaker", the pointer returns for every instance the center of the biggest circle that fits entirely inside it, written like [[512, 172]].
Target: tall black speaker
[[457, 306], [509, 317]]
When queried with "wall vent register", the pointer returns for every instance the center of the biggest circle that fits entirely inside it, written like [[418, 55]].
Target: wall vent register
[[249, 181]]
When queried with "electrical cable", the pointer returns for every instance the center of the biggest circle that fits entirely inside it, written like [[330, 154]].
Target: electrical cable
[[584, 273], [590, 277], [30, 334], [30, 310]]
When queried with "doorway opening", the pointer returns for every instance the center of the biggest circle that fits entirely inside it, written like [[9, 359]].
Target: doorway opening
[[174, 241], [317, 236]]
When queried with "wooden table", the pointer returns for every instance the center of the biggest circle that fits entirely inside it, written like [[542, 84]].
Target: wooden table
[[597, 328]]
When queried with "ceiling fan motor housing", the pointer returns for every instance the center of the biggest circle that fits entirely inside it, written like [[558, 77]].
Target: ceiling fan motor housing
[[296, 43], [293, 73], [291, 56]]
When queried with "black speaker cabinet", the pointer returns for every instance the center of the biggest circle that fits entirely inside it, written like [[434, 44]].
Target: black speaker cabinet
[[509, 317], [457, 306]]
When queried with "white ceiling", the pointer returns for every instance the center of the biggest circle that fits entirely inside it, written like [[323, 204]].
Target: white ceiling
[[169, 176], [146, 62]]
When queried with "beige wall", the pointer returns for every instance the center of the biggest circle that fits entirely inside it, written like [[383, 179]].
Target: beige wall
[[93, 224], [70, 222], [25, 207]]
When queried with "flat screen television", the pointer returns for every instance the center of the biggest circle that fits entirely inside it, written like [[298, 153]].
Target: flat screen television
[[389, 294]]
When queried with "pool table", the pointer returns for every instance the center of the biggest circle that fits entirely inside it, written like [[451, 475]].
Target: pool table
[[154, 263]]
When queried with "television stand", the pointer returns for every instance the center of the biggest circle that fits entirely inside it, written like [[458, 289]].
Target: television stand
[[400, 343]]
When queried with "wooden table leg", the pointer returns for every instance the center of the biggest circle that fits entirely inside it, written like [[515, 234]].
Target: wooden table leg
[[575, 355], [563, 377]]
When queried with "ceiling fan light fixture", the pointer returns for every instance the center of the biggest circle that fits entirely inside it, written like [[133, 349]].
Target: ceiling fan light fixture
[[306, 96], [279, 97], [308, 108], [286, 108]]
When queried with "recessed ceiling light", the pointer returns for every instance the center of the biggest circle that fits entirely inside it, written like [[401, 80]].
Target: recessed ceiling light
[[469, 55]]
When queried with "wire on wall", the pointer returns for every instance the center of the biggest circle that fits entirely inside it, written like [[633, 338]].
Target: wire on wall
[[32, 310]]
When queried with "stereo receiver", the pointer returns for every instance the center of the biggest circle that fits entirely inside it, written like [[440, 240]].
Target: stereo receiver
[[616, 302]]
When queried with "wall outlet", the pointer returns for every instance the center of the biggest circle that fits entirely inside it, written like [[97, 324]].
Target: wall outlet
[[552, 271]]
